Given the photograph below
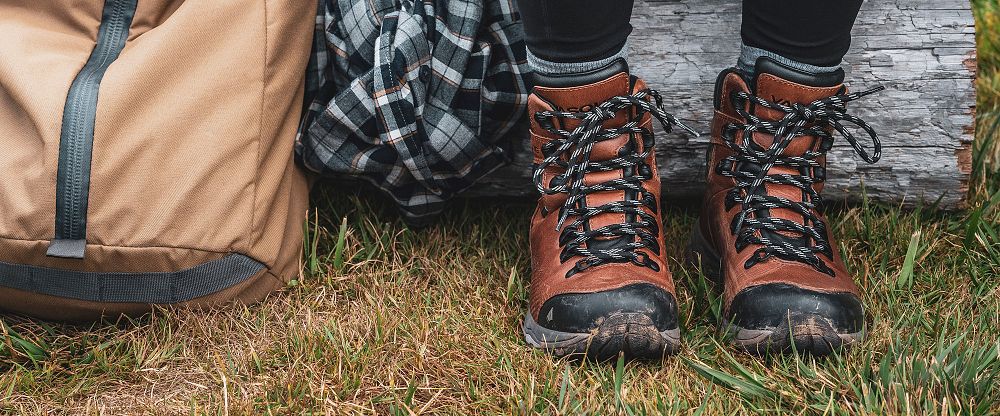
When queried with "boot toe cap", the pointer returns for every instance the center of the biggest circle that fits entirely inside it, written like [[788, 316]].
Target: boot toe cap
[[772, 305], [584, 312]]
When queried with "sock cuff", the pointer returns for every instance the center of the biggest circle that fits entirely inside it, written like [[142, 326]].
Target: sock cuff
[[749, 55], [538, 64]]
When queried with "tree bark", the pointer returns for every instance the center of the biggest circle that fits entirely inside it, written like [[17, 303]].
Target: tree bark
[[922, 51]]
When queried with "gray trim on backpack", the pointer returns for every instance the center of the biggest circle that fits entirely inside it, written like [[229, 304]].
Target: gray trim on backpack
[[128, 287], [76, 139]]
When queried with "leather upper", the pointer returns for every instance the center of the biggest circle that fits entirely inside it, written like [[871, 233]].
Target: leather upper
[[548, 277], [716, 220]]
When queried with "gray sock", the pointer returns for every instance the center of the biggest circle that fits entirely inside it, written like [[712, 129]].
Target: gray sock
[[749, 55], [554, 68]]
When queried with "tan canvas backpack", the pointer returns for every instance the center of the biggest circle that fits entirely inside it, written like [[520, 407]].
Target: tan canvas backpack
[[146, 152]]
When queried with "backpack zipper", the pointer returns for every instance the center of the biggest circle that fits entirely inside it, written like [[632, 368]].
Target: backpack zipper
[[77, 137]]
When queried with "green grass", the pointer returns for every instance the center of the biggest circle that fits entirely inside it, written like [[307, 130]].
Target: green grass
[[390, 321]]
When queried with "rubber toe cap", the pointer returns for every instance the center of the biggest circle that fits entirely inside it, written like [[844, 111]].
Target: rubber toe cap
[[584, 312], [767, 306]]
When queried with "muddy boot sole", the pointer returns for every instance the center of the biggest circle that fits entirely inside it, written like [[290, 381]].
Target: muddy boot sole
[[631, 334], [798, 332], [802, 332]]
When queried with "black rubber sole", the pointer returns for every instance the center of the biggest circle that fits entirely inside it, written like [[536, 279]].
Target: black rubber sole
[[630, 334], [802, 332]]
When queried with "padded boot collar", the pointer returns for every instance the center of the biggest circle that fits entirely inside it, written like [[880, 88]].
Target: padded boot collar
[[616, 67]]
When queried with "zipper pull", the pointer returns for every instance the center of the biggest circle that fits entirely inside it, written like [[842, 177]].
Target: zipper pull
[[67, 249]]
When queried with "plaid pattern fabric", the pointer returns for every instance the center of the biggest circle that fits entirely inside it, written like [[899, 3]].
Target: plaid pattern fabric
[[413, 95]]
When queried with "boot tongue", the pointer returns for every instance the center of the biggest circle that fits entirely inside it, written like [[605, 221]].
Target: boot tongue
[[781, 84], [581, 92]]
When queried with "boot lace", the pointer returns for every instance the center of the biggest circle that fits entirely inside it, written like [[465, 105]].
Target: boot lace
[[571, 151], [750, 164]]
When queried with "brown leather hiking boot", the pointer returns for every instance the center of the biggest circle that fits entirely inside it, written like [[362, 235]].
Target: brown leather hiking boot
[[761, 231], [599, 282]]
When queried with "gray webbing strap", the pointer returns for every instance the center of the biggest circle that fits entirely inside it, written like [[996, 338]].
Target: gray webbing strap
[[127, 287]]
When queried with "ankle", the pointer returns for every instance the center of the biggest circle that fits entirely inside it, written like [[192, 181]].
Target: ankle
[[749, 55], [544, 66]]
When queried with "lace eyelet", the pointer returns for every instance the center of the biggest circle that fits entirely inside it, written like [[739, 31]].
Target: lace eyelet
[[759, 256], [730, 201], [733, 224], [642, 259], [627, 149], [645, 171], [653, 265], [650, 201], [566, 237], [819, 173], [826, 144], [729, 132]]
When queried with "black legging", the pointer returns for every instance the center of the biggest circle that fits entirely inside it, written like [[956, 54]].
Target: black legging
[[816, 32]]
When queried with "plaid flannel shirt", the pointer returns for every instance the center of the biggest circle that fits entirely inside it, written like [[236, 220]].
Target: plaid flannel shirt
[[413, 95]]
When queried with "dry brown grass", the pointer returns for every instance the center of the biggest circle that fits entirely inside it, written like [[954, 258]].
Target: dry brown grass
[[428, 322]]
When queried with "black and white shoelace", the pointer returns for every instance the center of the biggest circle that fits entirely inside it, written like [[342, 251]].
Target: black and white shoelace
[[571, 151], [750, 164]]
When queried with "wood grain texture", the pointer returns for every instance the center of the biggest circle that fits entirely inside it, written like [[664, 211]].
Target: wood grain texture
[[923, 51]]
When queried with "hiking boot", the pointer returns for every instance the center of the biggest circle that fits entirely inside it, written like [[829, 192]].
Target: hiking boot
[[761, 232], [599, 282]]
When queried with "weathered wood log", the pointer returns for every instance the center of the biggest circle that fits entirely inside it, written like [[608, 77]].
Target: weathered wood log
[[923, 51]]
